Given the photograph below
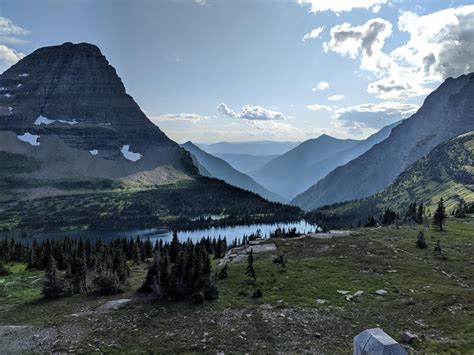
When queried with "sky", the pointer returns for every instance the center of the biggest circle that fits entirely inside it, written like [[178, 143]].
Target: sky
[[250, 70]]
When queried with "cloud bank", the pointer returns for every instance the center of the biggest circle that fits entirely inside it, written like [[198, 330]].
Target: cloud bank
[[338, 6], [251, 113], [440, 45]]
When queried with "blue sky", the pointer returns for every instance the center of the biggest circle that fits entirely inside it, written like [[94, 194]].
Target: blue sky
[[229, 70]]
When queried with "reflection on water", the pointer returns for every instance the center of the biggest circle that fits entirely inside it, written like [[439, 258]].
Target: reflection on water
[[229, 233]]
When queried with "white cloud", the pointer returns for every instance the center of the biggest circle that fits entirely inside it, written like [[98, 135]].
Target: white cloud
[[375, 116], [315, 33], [192, 117], [9, 33], [440, 45], [338, 6], [251, 113], [9, 56], [336, 97], [323, 85], [317, 107], [7, 27]]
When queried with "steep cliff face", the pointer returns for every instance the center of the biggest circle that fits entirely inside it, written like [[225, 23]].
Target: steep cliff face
[[66, 106], [447, 112]]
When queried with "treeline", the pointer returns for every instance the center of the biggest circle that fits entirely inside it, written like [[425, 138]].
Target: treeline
[[369, 215], [171, 207], [179, 270]]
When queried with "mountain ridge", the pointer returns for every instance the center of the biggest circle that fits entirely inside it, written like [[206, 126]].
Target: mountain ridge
[[215, 167], [447, 112]]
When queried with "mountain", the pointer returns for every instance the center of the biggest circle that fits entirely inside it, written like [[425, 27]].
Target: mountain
[[446, 113], [296, 170], [66, 106], [211, 166], [252, 148], [246, 163], [446, 172], [76, 151]]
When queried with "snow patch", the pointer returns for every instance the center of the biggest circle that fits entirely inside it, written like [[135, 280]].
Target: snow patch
[[7, 95], [3, 88], [94, 152], [43, 120], [29, 138], [19, 85], [10, 109], [127, 154], [68, 122], [23, 75]]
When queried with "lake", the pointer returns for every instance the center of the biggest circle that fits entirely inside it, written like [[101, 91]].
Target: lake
[[229, 233]]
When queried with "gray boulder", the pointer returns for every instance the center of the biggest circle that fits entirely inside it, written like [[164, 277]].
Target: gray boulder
[[376, 342]]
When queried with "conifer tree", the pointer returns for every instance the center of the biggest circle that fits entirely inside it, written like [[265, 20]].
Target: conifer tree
[[174, 247], [53, 285], [439, 215], [250, 271], [419, 215]]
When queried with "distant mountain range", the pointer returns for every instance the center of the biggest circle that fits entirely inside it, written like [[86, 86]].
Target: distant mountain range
[[446, 113], [246, 163], [446, 172], [294, 171], [259, 148], [212, 166]]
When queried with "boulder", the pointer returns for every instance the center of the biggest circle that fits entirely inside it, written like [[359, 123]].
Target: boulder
[[376, 342], [408, 337]]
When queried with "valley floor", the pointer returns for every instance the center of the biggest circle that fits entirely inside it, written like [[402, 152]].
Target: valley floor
[[301, 309]]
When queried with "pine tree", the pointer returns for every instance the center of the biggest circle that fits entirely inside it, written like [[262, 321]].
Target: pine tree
[[419, 215], [53, 285], [250, 271], [440, 215], [174, 247]]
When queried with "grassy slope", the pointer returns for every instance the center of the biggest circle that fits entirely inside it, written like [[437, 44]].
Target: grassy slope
[[446, 172], [427, 295]]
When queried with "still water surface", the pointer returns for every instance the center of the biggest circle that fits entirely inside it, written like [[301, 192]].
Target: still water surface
[[229, 233]]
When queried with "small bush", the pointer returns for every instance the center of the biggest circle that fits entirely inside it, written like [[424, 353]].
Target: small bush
[[421, 242], [211, 292], [197, 298], [3, 270], [223, 273], [257, 294], [108, 284]]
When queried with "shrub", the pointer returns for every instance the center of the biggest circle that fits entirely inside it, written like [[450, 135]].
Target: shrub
[[197, 298], [109, 284], [3, 270], [421, 242], [257, 294]]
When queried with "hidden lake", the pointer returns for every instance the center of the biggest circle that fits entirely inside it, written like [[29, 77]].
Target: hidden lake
[[229, 233]]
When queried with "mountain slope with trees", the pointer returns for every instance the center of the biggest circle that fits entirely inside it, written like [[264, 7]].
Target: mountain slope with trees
[[447, 172]]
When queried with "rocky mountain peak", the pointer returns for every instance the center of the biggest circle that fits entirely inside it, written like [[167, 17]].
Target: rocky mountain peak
[[70, 97]]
